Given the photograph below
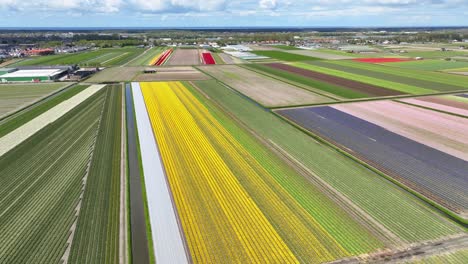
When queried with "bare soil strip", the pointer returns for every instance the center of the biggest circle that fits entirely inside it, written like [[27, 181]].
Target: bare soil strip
[[181, 73], [266, 91], [184, 57], [354, 85]]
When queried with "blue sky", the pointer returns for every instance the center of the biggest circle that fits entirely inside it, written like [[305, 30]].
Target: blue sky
[[219, 13]]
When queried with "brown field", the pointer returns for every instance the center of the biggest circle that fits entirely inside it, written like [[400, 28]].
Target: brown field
[[184, 57], [355, 85], [228, 59], [173, 74], [116, 74], [265, 90]]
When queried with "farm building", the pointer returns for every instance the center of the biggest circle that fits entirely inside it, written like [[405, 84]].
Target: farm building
[[32, 75]]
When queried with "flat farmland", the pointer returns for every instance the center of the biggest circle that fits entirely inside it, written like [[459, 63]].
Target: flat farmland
[[13, 97], [236, 187], [406, 81], [228, 59], [429, 171], [375, 196], [319, 54], [145, 58], [334, 91], [283, 55], [451, 104], [410, 80], [96, 237], [100, 57], [368, 89], [182, 57], [435, 54], [177, 73], [116, 74], [41, 182], [266, 91], [431, 65]]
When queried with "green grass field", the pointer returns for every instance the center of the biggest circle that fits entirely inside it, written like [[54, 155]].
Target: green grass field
[[311, 84], [458, 70], [430, 65], [434, 54], [100, 57], [284, 56], [369, 191], [285, 47]]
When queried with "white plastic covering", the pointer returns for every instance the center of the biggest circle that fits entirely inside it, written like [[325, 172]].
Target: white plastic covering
[[167, 239]]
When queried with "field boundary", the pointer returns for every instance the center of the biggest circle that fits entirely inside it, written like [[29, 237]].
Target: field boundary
[[371, 99], [432, 109], [302, 86]]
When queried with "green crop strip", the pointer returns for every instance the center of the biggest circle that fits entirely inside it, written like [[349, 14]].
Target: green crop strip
[[280, 55], [369, 191], [40, 185], [97, 232], [285, 47], [27, 115], [312, 83]]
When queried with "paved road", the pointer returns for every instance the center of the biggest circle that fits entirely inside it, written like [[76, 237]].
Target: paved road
[[140, 251]]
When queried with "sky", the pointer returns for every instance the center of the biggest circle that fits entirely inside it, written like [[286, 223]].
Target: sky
[[223, 13]]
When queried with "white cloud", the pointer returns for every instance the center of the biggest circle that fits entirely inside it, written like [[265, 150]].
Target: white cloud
[[177, 5], [268, 4]]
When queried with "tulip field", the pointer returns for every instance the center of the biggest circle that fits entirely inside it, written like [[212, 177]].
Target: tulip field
[[312, 155], [207, 58], [208, 199]]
